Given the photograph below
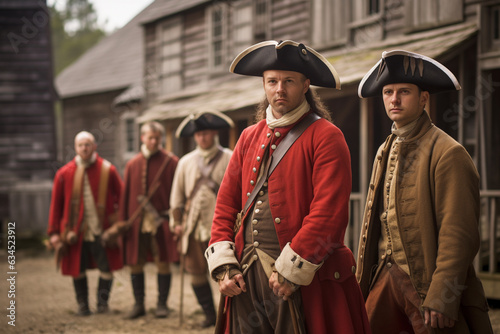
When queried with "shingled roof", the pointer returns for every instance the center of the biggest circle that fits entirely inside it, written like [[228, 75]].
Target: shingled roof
[[117, 61]]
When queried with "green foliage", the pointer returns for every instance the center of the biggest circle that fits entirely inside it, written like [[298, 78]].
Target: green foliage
[[74, 31]]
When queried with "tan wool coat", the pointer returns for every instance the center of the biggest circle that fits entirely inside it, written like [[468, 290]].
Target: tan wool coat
[[437, 208]]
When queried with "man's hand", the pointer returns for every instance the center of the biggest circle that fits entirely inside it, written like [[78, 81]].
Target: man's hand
[[55, 240], [437, 320], [177, 232], [282, 289], [232, 286]]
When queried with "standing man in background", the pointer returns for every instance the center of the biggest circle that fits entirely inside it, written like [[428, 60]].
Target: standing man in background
[[420, 228], [85, 198], [192, 202], [145, 208]]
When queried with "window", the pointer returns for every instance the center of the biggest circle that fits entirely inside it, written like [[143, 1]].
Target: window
[[218, 36], [130, 135], [261, 20], [171, 56], [362, 9], [373, 7], [495, 24], [242, 24], [430, 13], [329, 24]]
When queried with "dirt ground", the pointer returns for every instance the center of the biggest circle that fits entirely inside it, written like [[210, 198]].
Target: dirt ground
[[45, 302]]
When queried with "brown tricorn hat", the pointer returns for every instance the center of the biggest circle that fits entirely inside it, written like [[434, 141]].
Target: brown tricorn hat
[[286, 56], [399, 66], [206, 120]]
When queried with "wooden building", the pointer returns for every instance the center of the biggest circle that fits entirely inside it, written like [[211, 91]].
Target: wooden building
[[188, 46], [27, 128]]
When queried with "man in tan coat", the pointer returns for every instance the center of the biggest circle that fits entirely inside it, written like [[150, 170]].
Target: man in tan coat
[[192, 201], [420, 227]]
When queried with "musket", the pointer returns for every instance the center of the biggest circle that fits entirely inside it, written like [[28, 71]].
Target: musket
[[178, 215]]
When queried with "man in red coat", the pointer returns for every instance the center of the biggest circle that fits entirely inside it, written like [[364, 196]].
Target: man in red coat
[[285, 268], [85, 199], [148, 180]]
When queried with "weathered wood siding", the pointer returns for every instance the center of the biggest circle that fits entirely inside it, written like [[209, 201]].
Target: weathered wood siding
[[92, 113], [195, 48], [27, 127]]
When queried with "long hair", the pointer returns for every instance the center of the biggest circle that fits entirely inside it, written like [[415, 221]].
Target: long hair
[[312, 98]]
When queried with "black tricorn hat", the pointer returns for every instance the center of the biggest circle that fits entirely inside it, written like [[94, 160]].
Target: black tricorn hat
[[399, 66], [206, 120], [286, 56]]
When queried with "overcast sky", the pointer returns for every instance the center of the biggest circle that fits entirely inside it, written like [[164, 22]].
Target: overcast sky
[[116, 13]]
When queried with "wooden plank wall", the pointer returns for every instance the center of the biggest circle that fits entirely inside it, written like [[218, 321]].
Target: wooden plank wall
[[27, 126]]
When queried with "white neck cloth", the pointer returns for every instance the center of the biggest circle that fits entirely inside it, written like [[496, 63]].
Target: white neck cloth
[[289, 118]]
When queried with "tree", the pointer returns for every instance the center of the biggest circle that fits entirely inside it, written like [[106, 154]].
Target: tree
[[74, 31]]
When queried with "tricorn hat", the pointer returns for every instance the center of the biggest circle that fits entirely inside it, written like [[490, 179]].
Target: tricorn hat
[[399, 66], [206, 120], [286, 56]]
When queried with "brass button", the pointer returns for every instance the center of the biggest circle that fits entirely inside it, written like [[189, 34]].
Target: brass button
[[259, 202], [254, 170], [248, 194], [277, 134], [256, 244], [258, 158], [268, 134], [389, 251], [389, 265], [263, 146], [255, 221], [252, 182], [257, 210], [255, 232], [261, 193], [336, 275], [273, 146], [255, 257], [277, 220], [265, 184]]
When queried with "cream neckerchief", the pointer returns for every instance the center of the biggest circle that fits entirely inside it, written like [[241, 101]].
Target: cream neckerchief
[[289, 118], [80, 162], [147, 153]]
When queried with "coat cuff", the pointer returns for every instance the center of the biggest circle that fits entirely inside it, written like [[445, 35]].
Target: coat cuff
[[294, 268], [219, 254]]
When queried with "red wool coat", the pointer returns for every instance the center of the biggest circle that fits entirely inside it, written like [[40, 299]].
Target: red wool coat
[[309, 192], [134, 171], [60, 209]]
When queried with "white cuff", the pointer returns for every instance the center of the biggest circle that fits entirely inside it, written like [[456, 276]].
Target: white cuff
[[219, 254], [294, 268]]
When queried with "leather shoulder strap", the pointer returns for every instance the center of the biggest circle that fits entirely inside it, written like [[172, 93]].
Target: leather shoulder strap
[[103, 189], [76, 196]]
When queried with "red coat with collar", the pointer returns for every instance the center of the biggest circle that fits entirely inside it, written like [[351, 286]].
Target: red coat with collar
[[134, 186], [309, 192], [60, 209]]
